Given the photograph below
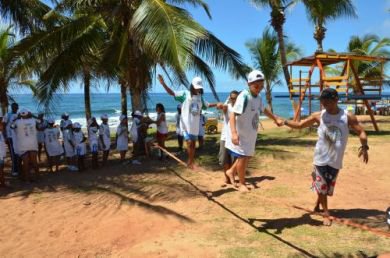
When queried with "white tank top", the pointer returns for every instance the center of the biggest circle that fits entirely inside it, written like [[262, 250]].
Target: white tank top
[[162, 127], [332, 139]]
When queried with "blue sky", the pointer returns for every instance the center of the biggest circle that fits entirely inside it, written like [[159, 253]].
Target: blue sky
[[237, 21]]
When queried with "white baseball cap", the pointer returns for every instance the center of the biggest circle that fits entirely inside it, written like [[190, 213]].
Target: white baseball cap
[[197, 83], [24, 112], [138, 113], [104, 116], [77, 125], [50, 121], [255, 75]]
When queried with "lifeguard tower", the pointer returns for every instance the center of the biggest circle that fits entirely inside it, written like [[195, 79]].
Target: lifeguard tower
[[350, 85]]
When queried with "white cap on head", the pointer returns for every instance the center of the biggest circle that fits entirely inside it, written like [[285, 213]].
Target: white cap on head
[[50, 121], [65, 114], [77, 125], [255, 75], [197, 83], [104, 116], [138, 113], [24, 112], [122, 117]]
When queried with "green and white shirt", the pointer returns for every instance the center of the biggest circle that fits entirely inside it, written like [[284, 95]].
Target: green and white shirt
[[247, 109], [190, 111]]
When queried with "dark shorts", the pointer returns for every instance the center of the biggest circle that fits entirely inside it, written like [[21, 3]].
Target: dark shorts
[[236, 155], [224, 157], [324, 179], [161, 136], [189, 137]]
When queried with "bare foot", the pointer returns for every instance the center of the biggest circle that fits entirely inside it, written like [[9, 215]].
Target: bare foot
[[230, 175], [190, 166], [327, 221], [243, 189]]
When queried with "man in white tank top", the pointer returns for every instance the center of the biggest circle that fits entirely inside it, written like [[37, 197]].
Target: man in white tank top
[[333, 131]]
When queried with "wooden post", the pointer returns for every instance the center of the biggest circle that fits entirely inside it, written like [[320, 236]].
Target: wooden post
[[359, 86], [298, 110]]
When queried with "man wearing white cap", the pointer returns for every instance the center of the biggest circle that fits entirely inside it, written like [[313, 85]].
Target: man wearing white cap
[[64, 121], [67, 137], [53, 146], [104, 137], [79, 140], [244, 122], [192, 104], [11, 139], [25, 129]]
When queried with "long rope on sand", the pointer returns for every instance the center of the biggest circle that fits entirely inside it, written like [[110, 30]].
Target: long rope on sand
[[333, 218]]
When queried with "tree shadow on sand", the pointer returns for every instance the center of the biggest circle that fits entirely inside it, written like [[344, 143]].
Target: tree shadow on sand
[[283, 223]]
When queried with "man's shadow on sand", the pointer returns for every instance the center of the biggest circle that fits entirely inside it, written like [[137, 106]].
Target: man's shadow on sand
[[252, 181]]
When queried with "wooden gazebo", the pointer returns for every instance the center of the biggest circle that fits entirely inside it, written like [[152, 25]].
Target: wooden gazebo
[[349, 83]]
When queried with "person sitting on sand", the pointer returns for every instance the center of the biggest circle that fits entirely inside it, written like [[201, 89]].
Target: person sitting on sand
[[3, 150], [93, 129], [25, 127], [333, 132], [244, 122], [104, 137], [79, 140], [53, 146], [122, 137], [225, 159], [192, 103]]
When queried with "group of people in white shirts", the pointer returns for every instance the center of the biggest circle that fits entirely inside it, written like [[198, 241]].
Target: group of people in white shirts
[[26, 135]]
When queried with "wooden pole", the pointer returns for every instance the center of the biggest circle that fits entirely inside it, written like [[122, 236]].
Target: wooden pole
[[170, 154], [359, 86]]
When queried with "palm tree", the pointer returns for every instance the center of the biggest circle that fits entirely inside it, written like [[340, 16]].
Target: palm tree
[[266, 57], [12, 73], [131, 40], [278, 19], [321, 11]]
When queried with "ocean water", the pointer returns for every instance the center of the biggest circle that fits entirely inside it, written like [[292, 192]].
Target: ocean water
[[109, 103]]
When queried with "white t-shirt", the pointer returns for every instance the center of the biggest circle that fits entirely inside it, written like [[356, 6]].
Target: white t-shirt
[[52, 142], [3, 151], [93, 137], [202, 123], [104, 131], [134, 129], [79, 144], [190, 111], [122, 141], [162, 127], [333, 134], [8, 120], [26, 134], [65, 123], [247, 108], [225, 125], [41, 126], [67, 137]]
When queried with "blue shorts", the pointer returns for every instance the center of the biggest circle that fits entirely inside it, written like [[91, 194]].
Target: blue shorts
[[189, 137], [236, 155]]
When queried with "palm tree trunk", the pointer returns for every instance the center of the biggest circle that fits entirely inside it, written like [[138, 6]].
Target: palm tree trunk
[[87, 94], [268, 95], [137, 99], [319, 35], [277, 21], [3, 97], [123, 97]]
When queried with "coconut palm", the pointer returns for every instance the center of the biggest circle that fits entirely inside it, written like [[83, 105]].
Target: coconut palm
[[278, 19], [131, 40], [266, 57], [12, 74], [321, 11]]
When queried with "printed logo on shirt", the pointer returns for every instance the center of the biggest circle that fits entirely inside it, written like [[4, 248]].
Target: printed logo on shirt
[[194, 109]]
